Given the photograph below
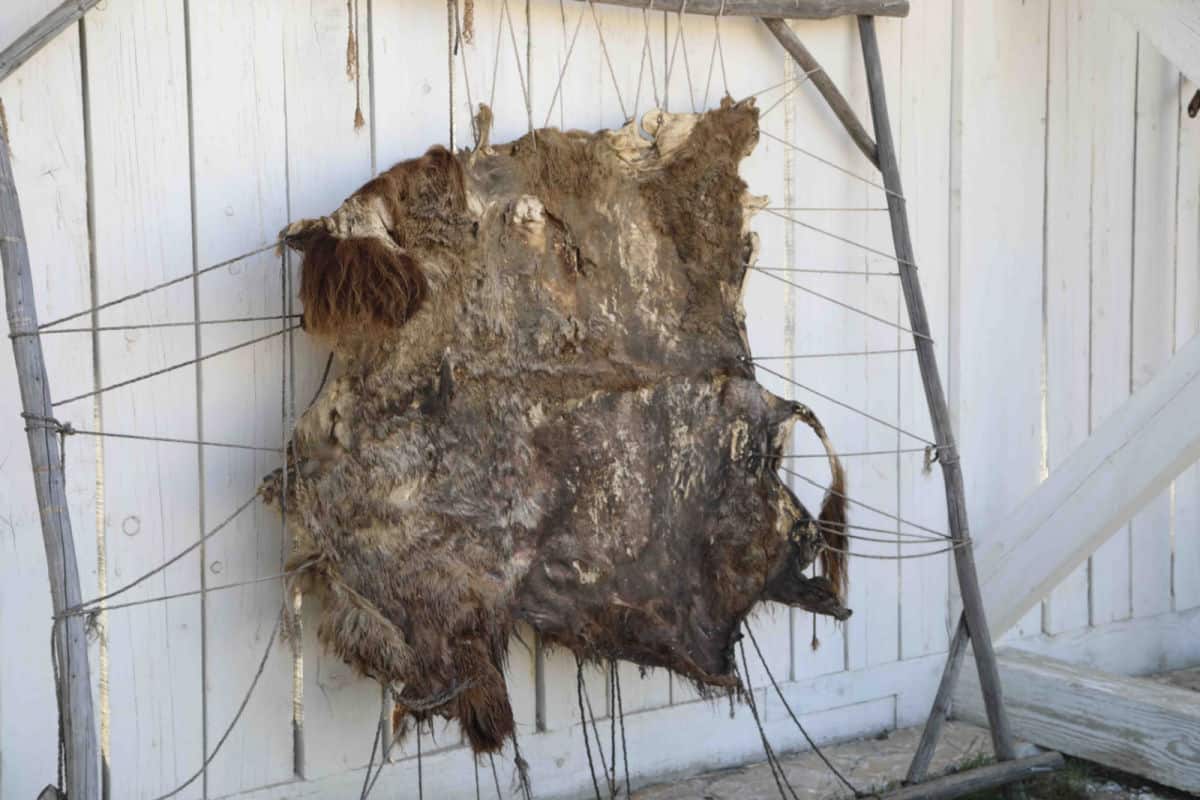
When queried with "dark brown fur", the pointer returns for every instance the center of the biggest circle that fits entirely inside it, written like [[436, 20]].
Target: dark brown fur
[[547, 415]]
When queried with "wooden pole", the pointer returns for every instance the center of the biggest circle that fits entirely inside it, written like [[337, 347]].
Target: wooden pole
[[964, 556], [975, 780], [45, 29], [788, 9], [825, 85], [941, 705], [69, 639]]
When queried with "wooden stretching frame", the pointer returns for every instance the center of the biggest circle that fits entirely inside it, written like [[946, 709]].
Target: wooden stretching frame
[[74, 689]]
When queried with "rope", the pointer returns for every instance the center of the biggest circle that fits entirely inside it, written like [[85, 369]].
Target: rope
[[156, 287], [712, 58], [829, 163], [845, 405], [563, 72], [861, 504], [650, 51], [795, 719], [612, 72], [844, 354], [587, 743], [854, 453], [365, 792], [687, 69], [87, 605], [236, 717], [512, 35], [843, 239], [772, 760], [66, 428], [180, 365], [844, 305], [148, 325], [596, 732], [621, 717]]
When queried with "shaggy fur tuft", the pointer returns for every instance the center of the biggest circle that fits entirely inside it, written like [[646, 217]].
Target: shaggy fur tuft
[[357, 283]]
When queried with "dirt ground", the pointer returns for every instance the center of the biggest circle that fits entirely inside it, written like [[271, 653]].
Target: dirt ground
[[875, 765]]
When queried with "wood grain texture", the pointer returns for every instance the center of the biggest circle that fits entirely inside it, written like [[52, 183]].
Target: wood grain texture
[[45, 266], [1155, 271], [1186, 540], [1129, 724], [788, 9], [143, 235], [1128, 460], [997, 274], [1172, 25], [31, 36], [236, 75]]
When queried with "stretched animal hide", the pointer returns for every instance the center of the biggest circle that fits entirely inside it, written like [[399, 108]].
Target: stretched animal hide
[[546, 413]]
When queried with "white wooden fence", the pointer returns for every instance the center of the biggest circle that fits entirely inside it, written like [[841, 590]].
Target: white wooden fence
[[1053, 181]]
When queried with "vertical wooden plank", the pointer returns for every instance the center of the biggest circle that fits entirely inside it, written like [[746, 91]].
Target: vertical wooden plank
[[998, 271], [327, 159], [821, 327], [1157, 149], [879, 481], [1186, 540], [923, 119], [138, 88], [1073, 96], [43, 96], [410, 99], [1110, 246], [237, 107]]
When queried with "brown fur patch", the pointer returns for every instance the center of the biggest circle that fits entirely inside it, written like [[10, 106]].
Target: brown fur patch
[[358, 283]]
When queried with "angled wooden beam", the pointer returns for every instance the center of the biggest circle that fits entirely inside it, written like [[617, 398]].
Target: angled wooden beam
[[935, 397], [788, 9], [42, 32], [1130, 724], [1172, 25], [970, 781], [1129, 459], [69, 637], [825, 85]]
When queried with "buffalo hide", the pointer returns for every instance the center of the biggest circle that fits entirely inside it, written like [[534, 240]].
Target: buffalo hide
[[546, 413]]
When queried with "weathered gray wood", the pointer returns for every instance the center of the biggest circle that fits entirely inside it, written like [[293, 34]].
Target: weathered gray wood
[[36, 37], [70, 639], [1131, 724], [825, 85], [941, 705], [975, 780], [788, 9], [964, 558]]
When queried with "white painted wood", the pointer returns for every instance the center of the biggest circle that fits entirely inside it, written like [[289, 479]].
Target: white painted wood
[[1186, 532], [1110, 243], [922, 114], [1073, 99], [1172, 25], [820, 327], [327, 159], [1133, 725], [998, 272], [1128, 459], [143, 236], [49, 172], [669, 741], [1154, 273], [241, 204], [1141, 646]]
